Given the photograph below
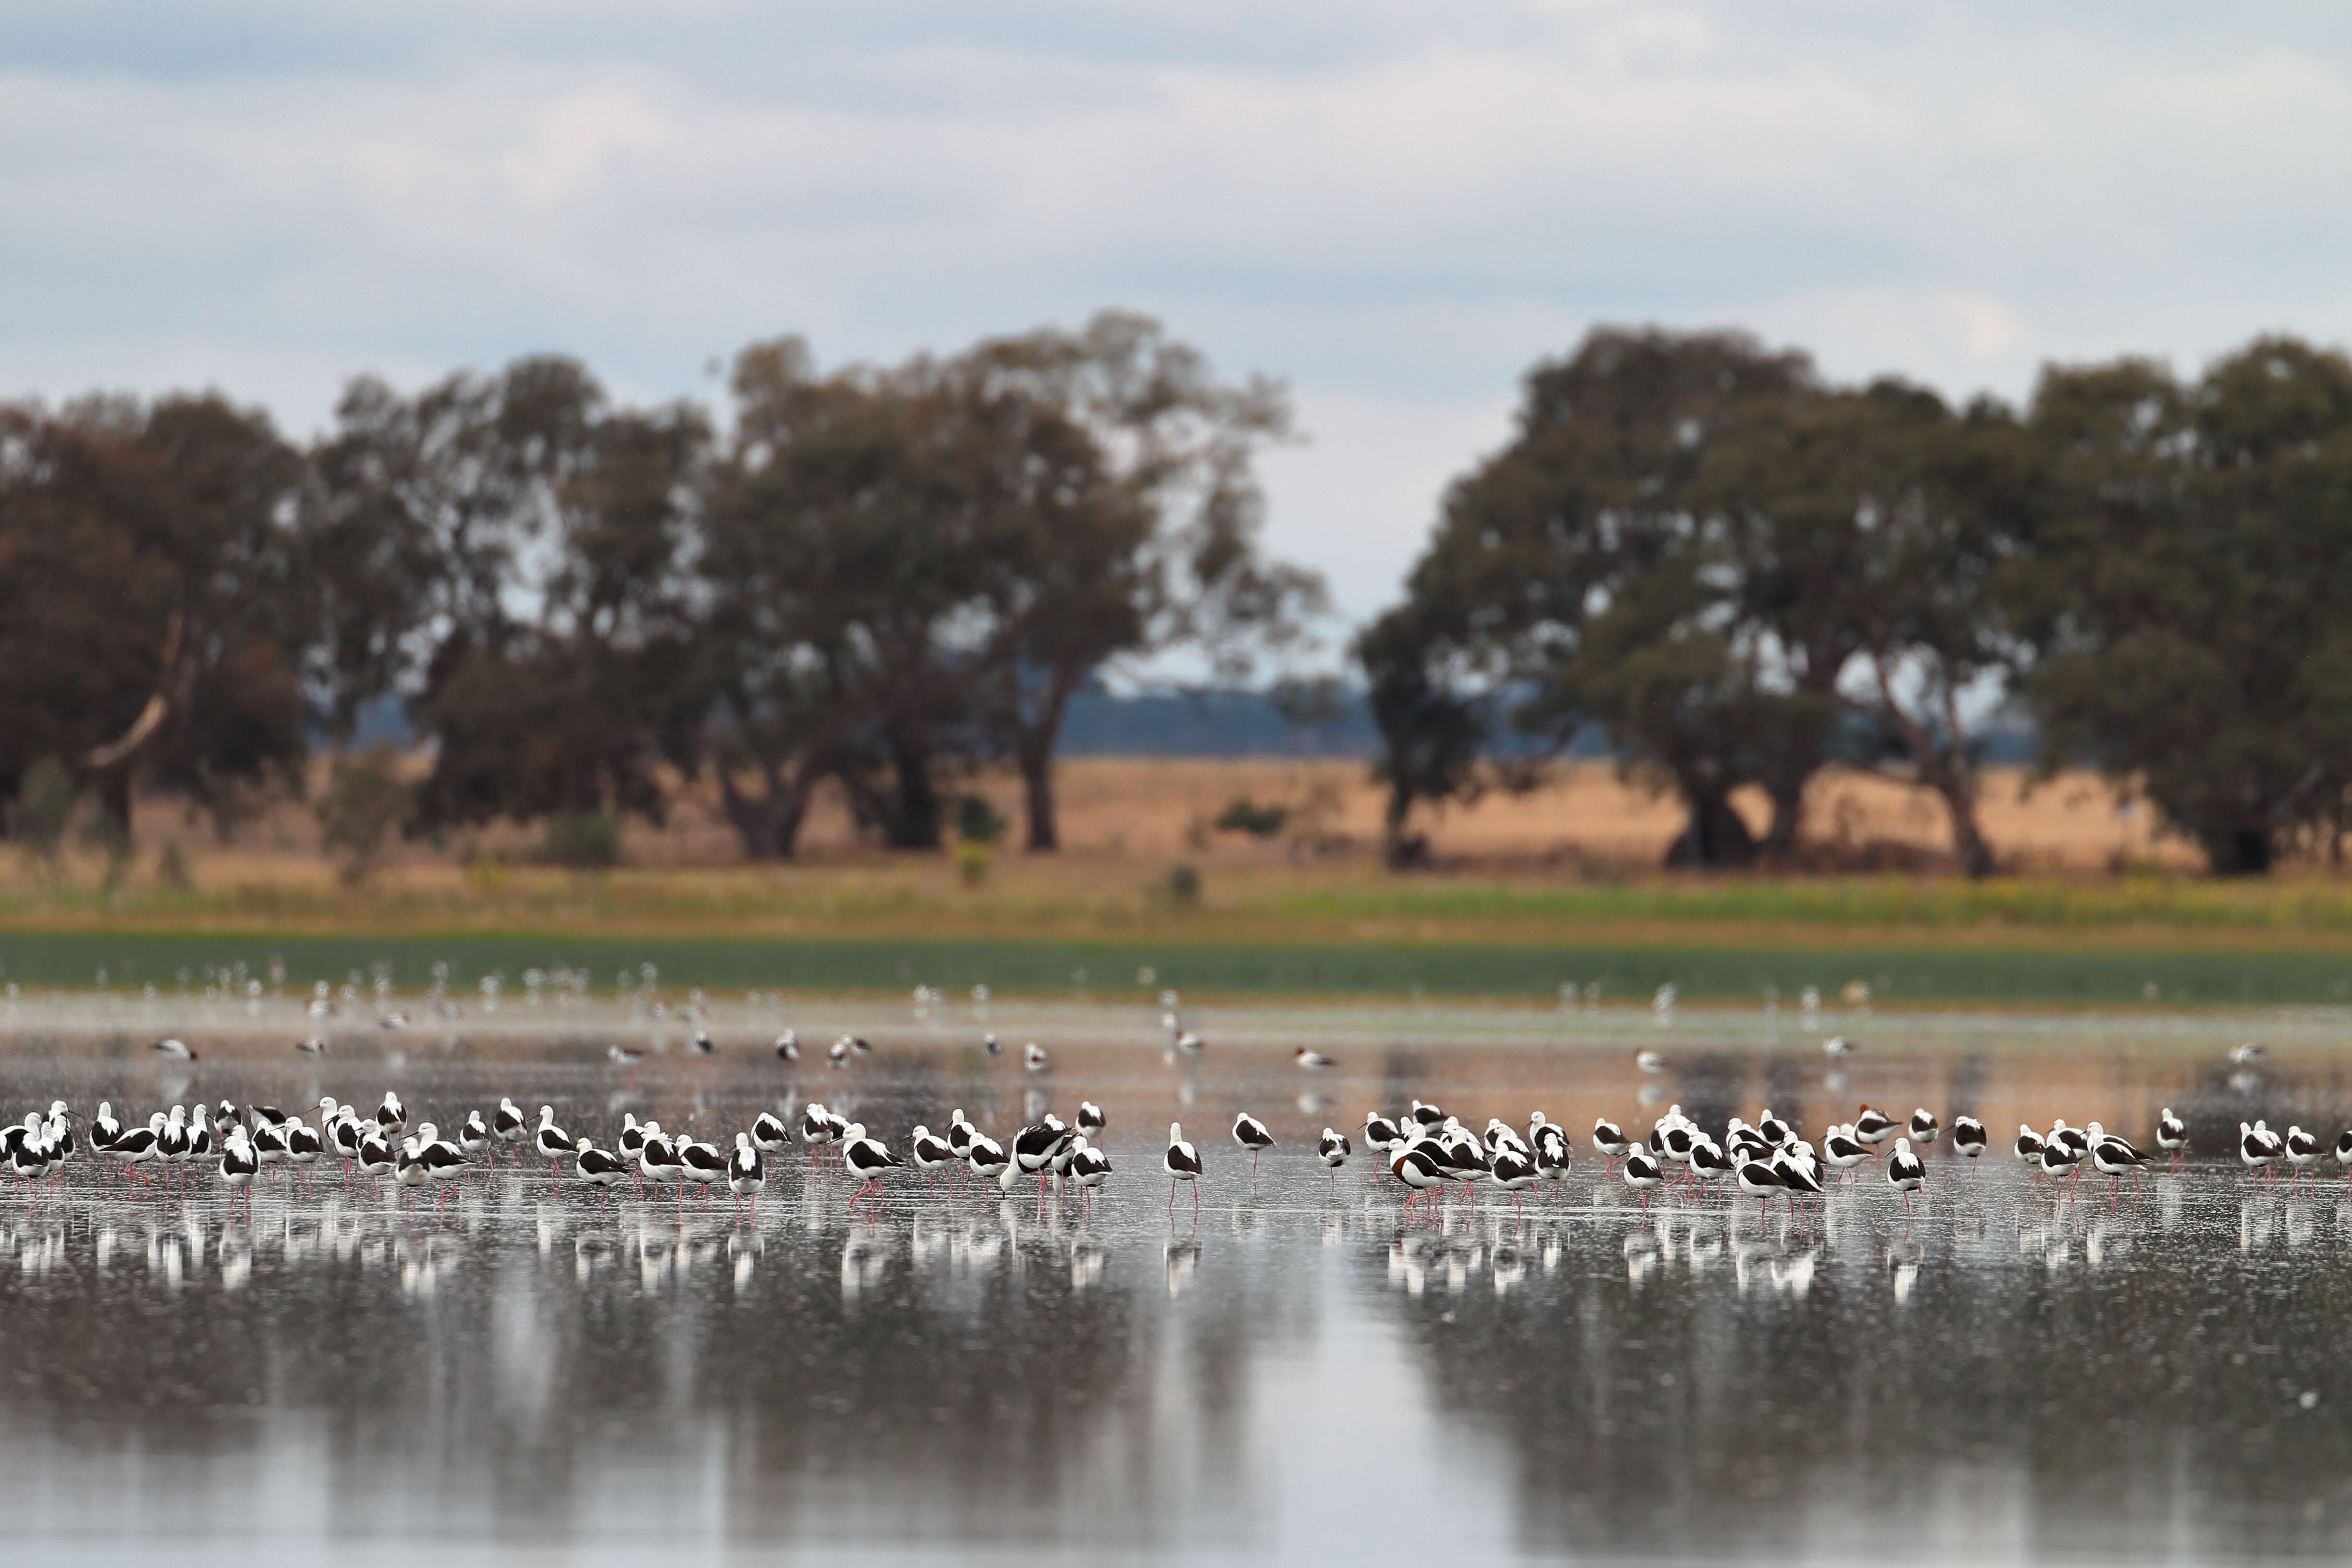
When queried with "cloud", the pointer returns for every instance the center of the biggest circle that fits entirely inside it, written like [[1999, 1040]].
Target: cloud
[[1398, 207]]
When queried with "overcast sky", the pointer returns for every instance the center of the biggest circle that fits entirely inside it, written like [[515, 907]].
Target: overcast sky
[[1396, 208]]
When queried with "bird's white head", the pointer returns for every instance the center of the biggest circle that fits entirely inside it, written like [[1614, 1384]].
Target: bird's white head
[[1175, 1133]]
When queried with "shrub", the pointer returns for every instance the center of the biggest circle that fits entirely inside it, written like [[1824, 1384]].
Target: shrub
[[1185, 886], [973, 860], [1243, 814], [584, 840], [978, 821]]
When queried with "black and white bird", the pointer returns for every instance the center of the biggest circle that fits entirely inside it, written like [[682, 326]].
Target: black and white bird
[[600, 1168], [391, 1116], [819, 1127], [867, 1159], [620, 1054], [1773, 1131], [2029, 1143], [747, 1171], [769, 1134], [1758, 1180], [377, 1158], [507, 1124], [1968, 1136], [474, 1137], [1708, 1162], [316, 1046], [238, 1165], [1252, 1135], [788, 1047], [1650, 1061], [1034, 1150], [138, 1146], [991, 1045], [1090, 1167], [2257, 1147], [928, 1151], [104, 1129], [1513, 1171], [1182, 1163], [860, 1043], [2171, 1134], [173, 1051], [1798, 1173], [1641, 1173], [1608, 1138], [2247, 1055], [1033, 1057], [552, 1144], [303, 1148], [1425, 1116], [1837, 1048], [657, 1159], [986, 1157], [1333, 1149], [704, 1044], [1090, 1118], [1381, 1133], [1904, 1171], [1414, 1162], [2057, 1157], [699, 1162], [1924, 1126], [2300, 1147], [836, 1055], [1311, 1061], [1873, 1128], [2343, 1150], [2111, 1156], [960, 1134]]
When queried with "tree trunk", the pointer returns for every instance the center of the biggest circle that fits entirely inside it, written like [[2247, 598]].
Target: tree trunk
[[1946, 770], [1786, 826], [1716, 834], [2238, 852], [1037, 785], [768, 824], [915, 810]]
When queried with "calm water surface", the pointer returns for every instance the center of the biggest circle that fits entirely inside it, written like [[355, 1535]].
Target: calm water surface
[[1299, 1374]]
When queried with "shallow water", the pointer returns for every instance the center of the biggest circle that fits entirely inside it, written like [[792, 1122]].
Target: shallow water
[[1301, 1372]]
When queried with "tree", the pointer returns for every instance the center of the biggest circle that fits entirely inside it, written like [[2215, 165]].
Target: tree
[[1122, 472], [1580, 576], [150, 625], [2184, 602]]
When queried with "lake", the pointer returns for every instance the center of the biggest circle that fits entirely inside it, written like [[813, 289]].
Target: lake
[[1303, 1372]]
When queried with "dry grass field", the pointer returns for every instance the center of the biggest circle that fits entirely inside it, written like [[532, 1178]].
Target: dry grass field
[[1575, 862]]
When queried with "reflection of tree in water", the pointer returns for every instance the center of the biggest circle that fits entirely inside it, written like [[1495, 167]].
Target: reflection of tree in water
[[1004, 1365], [1776, 1397]]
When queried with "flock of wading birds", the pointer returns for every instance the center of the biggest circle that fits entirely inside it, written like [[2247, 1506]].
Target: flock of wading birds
[[1429, 1151]]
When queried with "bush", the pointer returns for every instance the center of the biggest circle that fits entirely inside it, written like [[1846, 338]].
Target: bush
[[973, 860], [366, 802], [1243, 814], [1185, 886], [42, 812], [584, 840], [978, 821]]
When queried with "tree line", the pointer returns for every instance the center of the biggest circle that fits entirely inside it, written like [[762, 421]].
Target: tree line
[[1746, 574], [880, 577]]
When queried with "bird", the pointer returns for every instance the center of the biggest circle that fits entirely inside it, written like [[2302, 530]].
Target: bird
[[2057, 1157], [2257, 1147], [1552, 1155], [2171, 1134], [1923, 1127], [1904, 1171], [1034, 1149], [507, 1124], [173, 1051], [1707, 1162], [2247, 1055], [1034, 1057], [788, 1047], [837, 1054], [2343, 1150], [986, 1157], [1772, 1130], [2029, 1143], [657, 1159], [1798, 1174], [860, 1043], [769, 1134], [377, 1156], [1090, 1118], [1872, 1128], [1641, 1173], [1252, 1135], [103, 1128], [704, 1044], [1649, 1061], [268, 1142], [961, 1133], [316, 1046], [747, 1171], [991, 1045], [2302, 1148], [1760, 1180], [699, 1162], [391, 1116], [238, 1164], [1380, 1134], [867, 1159], [2112, 1156], [138, 1146], [1311, 1061], [1608, 1138], [1968, 1136], [816, 1128], [624, 1056], [552, 1142], [1333, 1149], [1182, 1163], [1089, 1166], [474, 1136], [1837, 1048], [1426, 1116], [928, 1151], [1191, 1044], [600, 1168]]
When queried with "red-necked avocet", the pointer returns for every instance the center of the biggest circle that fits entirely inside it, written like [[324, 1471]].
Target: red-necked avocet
[[1904, 1171], [316, 1046], [1252, 1135], [1182, 1163], [1310, 1061]]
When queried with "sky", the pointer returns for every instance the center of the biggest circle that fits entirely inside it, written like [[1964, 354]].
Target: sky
[[1395, 208]]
